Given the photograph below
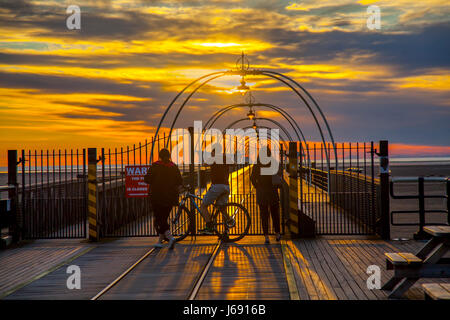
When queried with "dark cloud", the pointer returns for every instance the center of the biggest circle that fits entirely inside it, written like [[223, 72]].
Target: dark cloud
[[67, 84], [16, 7], [408, 53]]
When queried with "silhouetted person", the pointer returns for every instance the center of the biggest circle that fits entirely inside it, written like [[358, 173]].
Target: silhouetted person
[[218, 191], [267, 199], [164, 179]]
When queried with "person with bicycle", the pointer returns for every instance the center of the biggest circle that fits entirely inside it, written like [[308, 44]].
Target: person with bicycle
[[164, 179], [218, 191]]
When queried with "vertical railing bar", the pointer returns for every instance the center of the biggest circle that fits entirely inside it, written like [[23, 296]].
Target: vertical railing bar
[[329, 188], [41, 191], [71, 202], [102, 211], [39, 224], [24, 197], [78, 216], [60, 217], [358, 195], [54, 195], [373, 198], [342, 189]]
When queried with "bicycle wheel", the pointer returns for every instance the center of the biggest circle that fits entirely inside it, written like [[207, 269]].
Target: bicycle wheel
[[235, 224], [183, 223]]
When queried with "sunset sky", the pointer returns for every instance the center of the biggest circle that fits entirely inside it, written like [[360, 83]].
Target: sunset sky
[[107, 84]]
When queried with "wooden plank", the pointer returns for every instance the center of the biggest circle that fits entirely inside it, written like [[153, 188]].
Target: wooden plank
[[438, 231], [313, 272], [359, 264], [396, 259], [246, 270], [411, 258], [23, 265], [354, 282], [339, 272], [302, 268], [356, 268], [293, 290], [334, 283], [365, 259], [319, 266], [436, 291]]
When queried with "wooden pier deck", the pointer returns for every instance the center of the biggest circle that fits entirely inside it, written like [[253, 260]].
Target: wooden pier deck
[[323, 268]]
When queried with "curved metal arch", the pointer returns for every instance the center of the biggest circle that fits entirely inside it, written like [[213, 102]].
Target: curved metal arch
[[270, 120], [276, 123], [255, 72], [283, 113], [312, 99], [264, 127], [272, 75], [312, 113], [184, 103], [175, 99], [266, 119]]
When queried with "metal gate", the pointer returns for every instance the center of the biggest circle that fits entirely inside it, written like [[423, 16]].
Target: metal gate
[[124, 217], [339, 194], [52, 194]]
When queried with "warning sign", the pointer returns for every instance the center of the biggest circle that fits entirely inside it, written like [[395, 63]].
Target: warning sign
[[135, 187]]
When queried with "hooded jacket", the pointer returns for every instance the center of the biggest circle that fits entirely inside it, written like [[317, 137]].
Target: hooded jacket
[[163, 178]]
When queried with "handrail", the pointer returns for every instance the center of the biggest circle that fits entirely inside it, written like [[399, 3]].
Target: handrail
[[7, 187], [414, 179], [420, 196]]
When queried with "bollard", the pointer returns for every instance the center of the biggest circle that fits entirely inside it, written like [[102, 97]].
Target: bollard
[[448, 200], [385, 224], [293, 230], [192, 177], [283, 201], [421, 234], [92, 195], [12, 195]]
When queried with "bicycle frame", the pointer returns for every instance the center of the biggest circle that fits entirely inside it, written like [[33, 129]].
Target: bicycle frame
[[191, 198]]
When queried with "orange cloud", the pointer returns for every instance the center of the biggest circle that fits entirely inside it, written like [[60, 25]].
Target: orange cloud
[[399, 149]]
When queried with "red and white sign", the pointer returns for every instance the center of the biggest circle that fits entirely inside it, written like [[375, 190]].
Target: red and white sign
[[135, 187]]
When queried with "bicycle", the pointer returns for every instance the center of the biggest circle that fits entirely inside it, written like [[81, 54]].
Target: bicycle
[[227, 219]]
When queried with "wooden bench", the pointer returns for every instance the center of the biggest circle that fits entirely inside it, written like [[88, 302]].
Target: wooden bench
[[394, 259], [436, 291], [427, 263]]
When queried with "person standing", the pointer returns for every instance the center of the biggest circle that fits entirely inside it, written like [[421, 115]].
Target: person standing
[[267, 199], [164, 179], [218, 192]]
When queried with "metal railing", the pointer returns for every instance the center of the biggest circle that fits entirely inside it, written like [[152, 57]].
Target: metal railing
[[420, 196], [345, 199]]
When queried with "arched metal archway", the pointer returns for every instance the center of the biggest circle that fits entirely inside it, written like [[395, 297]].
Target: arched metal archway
[[245, 71], [266, 119], [298, 131], [268, 128], [264, 127], [283, 113], [274, 122]]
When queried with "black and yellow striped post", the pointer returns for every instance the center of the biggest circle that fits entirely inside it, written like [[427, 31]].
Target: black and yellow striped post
[[92, 194], [293, 225]]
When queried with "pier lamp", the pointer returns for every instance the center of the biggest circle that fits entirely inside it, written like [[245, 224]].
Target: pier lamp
[[243, 88], [251, 114], [250, 101]]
